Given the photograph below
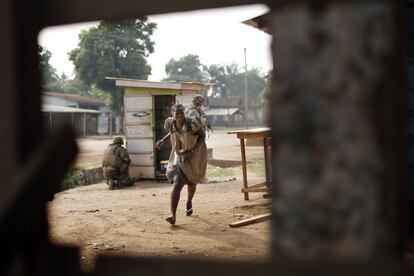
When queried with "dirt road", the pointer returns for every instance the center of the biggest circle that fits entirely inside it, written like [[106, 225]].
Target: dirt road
[[131, 221]]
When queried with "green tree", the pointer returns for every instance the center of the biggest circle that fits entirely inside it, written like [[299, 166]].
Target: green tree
[[230, 81], [264, 95], [216, 73], [100, 94], [234, 81], [65, 85], [48, 72], [256, 82], [114, 50], [76, 86], [187, 68]]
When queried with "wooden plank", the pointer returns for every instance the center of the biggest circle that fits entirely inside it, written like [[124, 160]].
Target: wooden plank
[[142, 172], [194, 86], [139, 137], [141, 152], [138, 102], [253, 135], [61, 12], [251, 220], [261, 184], [140, 145], [147, 84], [136, 91], [244, 167], [252, 130], [134, 109], [138, 117], [144, 159], [254, 190], [143, 131]]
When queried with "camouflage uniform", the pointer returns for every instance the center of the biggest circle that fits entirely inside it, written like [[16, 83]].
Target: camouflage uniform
[[196, 112], [115, 164]]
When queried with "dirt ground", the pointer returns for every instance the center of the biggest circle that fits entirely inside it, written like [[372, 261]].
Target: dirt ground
[[131, 221]]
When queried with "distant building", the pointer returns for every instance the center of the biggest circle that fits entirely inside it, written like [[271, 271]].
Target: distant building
[[73, 100], [230, 112], [86, 115], [224, 116]]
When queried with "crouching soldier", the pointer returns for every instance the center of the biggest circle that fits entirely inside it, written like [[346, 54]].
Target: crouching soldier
[[115, 165]]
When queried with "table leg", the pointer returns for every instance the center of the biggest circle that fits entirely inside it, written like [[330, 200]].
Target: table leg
[[267, 162], [244, 167]]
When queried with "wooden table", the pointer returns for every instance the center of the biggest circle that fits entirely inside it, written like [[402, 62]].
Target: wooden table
[[257, 133]]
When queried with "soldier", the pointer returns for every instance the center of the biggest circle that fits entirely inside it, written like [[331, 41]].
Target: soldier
[[196, 111], [188, 158], [115, 165]]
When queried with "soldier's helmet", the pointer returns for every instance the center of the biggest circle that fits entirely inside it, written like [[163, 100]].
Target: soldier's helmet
[[198, 100], [118, 140]]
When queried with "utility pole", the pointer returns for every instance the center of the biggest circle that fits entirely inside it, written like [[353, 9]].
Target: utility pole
[[245, 91]]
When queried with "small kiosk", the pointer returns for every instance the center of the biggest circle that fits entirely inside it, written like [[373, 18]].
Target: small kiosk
[[146, 105]]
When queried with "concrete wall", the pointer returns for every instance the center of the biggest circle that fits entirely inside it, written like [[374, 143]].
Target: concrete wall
[[90, 176]]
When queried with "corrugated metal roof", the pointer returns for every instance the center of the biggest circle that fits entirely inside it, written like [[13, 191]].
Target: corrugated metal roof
[[259, 22], [157, 84], [75, 98], [234, 102], [65, 109], [222, 111]]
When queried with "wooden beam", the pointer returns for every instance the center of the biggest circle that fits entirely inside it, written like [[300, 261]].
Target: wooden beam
[[251, 220], [65, 12], [252, 133], [244, 168], [84, 124], [147, 84], [261, 184], [254, 190]]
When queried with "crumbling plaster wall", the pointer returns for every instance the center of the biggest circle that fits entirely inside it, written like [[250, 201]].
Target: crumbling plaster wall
[[338, 131]]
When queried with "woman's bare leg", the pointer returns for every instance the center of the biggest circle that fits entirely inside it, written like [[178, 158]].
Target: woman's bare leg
[[191, 191], [175, 198]]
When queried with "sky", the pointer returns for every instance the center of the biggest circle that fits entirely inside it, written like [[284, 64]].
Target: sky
[[217, 36]]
